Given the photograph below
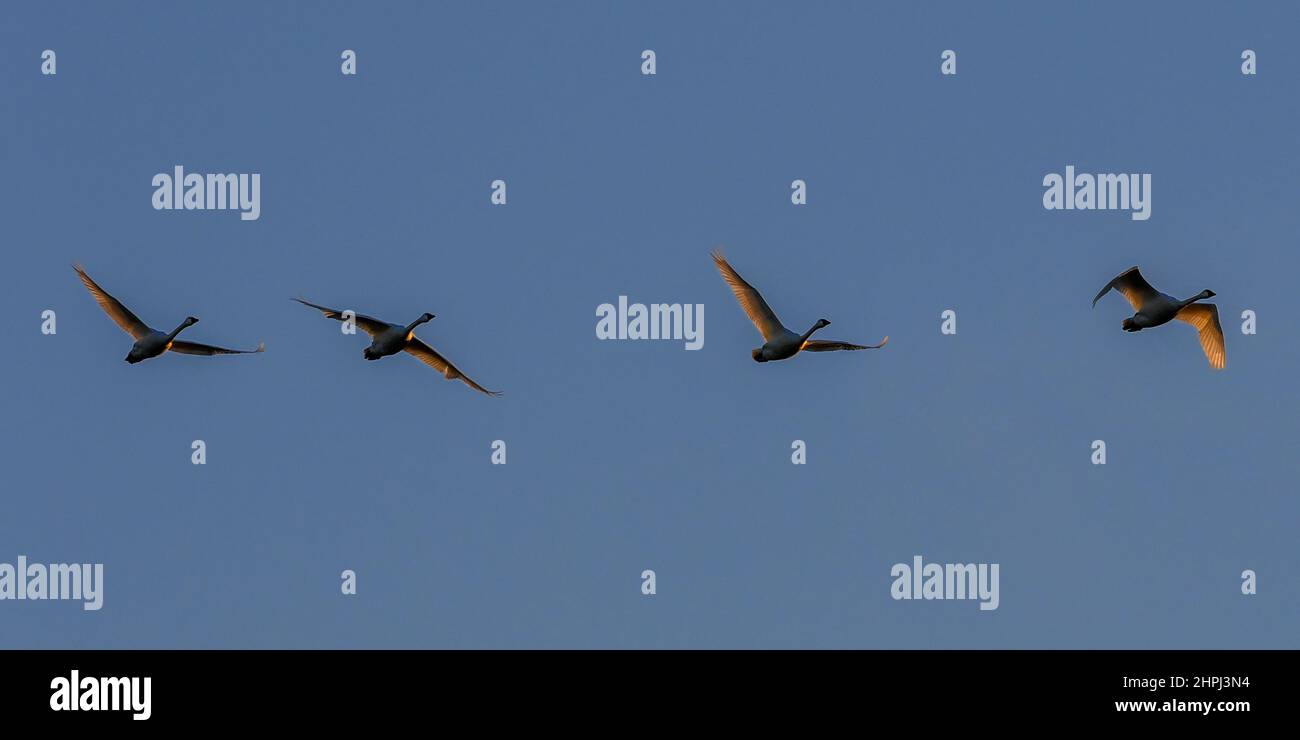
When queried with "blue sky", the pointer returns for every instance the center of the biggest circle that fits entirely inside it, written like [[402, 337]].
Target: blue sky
[[924, 195]]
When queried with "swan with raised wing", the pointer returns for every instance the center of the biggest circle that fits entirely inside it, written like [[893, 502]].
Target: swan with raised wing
[[1155, 308], [389, 339], [150, 342], [779, 343]]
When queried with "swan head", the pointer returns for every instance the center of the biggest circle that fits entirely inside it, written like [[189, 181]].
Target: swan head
[[758, 355], [426, 316], [822, 323], [190, 321]]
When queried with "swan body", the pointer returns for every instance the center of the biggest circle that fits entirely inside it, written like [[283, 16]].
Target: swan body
[[786, 344], [150, 342], [389, 339], [1154, 308], [779, 343], [393, 339]]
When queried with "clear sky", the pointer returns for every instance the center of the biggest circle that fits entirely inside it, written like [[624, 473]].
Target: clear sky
[[924, 194]]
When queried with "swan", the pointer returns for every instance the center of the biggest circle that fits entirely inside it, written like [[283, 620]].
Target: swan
[[151, 342], [389, 339], [779, 342], [1155, 308]]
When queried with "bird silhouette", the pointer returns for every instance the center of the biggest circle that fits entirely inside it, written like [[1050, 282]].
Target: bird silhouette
[[1155, 308], [151, 342], [779, 342], [389, 339]]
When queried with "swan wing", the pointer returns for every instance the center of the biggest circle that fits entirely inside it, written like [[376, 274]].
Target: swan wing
[[194, 348], [1205, 317], [121, 315], [429, 356], [1132, 286], [822, 345], [368, 324], [755, 307]]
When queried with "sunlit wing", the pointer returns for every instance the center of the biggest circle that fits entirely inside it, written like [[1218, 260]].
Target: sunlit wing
[[1132, 286], [821, 345], [120, 314], [368, 324], [755, 307], [1205, 317], [194, 348], [429, 356]]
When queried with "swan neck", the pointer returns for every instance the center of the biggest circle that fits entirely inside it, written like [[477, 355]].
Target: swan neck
[[177, 330]]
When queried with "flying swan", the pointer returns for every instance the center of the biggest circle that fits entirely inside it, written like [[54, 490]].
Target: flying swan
[[1155, 308], [779, 342], [389, 339], [151, 342]]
